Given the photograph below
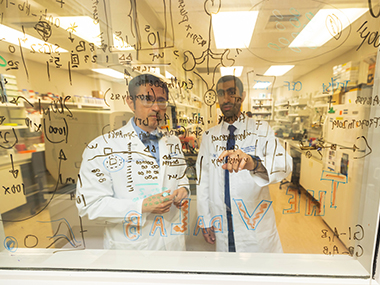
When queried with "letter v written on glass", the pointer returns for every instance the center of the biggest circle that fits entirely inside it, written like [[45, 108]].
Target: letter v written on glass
[[251, 221]]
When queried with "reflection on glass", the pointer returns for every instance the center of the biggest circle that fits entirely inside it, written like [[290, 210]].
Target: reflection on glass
[[97, 153]]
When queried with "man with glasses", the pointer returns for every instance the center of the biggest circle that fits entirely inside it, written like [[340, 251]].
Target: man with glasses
[[237, 161], [132, 181]]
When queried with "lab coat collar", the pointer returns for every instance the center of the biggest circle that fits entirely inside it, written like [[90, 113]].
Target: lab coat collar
[[130, 126], [144, 134], [240, 125]]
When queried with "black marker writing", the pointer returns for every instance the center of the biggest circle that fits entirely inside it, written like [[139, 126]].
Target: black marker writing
[[368, 100], [15, 100], [14, 189], [92, 146], [29, 123], [371, 9], [351, 124], [62, 132], [13, 170], [373, 38], [183, 12], [4, 136], [30, 241]]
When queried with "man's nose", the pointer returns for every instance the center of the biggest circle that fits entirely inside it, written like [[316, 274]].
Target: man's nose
[[155, 106], [227, 98]]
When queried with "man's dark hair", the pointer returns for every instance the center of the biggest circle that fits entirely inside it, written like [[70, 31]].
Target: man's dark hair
[[227, 78], [148, 80]]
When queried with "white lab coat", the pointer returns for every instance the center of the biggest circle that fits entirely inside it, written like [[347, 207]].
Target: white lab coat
[[253, 231], [114, 182]]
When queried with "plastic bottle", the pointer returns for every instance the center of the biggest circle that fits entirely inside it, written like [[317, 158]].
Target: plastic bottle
[[32, 95], [25, 93]]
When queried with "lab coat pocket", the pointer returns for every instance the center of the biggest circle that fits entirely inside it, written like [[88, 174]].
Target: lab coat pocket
[[130, 245]]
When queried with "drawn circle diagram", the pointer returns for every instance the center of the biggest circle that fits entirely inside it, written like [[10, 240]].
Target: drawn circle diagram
[[289, 47], [210, 97], [189, 62], [30, 241], [114, 162], [334, 26], [43, 29], [212, 7], [10, 244]]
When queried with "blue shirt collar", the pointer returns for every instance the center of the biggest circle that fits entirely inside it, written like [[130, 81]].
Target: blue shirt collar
[[138, 130], [141, 133]]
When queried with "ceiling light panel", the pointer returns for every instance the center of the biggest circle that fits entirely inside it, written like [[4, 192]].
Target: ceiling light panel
[[109, 72], [262, 85], [278, 70], [325, 25], [83, 27], [168, 75], [234, 29], [233, 70], [121, 45]]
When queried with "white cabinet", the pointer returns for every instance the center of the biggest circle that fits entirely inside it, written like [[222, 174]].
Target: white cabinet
[[262, 108]]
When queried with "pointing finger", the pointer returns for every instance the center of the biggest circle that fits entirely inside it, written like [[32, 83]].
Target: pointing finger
[[224, 154]]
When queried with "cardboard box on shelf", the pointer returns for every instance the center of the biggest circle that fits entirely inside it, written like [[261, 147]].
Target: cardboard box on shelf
[[97, 94], [371, 74], [350, 71]]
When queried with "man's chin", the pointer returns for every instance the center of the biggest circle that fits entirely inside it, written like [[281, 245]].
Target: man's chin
[[153, 123], [229, 115]]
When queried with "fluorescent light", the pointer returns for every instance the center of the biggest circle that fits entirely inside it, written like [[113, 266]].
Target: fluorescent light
[[233, 70], [13, 36], [262, 85], [109, 72], [325, 25], [120, 44], [278, 70], [234, 29], [83, 27], [168, 75]]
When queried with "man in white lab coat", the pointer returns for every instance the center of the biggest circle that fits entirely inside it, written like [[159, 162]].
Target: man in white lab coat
[[237, 161], [135, 180]]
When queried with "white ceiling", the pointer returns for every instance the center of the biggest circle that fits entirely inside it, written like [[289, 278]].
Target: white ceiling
[[258, 56]]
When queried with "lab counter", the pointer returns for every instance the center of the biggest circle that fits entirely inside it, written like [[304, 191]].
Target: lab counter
[[292, 148], [304, 166], [335, 192]]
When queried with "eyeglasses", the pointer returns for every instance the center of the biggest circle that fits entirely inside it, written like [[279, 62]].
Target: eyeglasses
[[148, 101]]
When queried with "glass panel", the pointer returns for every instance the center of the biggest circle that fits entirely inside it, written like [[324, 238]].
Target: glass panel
[[114, 134]]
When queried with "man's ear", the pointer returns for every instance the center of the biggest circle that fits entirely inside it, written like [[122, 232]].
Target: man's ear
[[130, 103]]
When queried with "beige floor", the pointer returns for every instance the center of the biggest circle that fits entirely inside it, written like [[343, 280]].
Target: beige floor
[[298, 233]]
